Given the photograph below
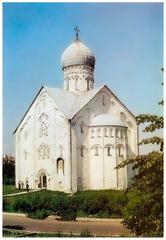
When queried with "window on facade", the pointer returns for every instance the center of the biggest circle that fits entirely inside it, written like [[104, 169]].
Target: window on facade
[[103, 100], [76, 83], [82, 151], [43, 152], [88, 84], [82, 128], [120, 149], [105, 132], [92, 133], [111, 132], [96, 151], [109, 153], [117, 133], [60, 165], [121, 134], [99, 132]]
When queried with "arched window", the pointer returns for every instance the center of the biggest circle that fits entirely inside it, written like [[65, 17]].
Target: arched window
[[60, 165], [111, 132], [105, 132], [120, 150], [109, 151], [99, 132], [88, 81]]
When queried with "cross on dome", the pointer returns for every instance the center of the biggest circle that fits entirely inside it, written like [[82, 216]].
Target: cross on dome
[[76, 29]]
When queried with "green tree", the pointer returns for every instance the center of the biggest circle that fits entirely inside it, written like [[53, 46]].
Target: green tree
[[145, 215], [8, 169]]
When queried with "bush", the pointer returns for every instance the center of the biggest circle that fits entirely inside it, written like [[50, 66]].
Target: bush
[[123, 200], [22, 205], [68, 215], [39, 214]]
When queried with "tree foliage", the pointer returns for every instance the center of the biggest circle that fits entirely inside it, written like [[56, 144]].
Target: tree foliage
[[145, 216], [8, 169]]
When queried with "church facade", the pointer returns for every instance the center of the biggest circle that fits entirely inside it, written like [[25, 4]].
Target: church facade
[[72, 139]]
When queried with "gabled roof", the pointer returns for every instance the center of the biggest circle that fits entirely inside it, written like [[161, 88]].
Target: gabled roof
[[69, 103]]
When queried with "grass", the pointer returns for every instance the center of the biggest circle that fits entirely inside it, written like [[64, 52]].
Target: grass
[[8, 189], [16, 233], [94, 198]]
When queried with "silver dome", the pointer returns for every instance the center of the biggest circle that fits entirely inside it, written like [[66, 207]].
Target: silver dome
[[77, 53]]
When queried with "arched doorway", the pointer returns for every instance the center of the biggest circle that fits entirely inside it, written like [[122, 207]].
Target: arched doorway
[[42, 179]]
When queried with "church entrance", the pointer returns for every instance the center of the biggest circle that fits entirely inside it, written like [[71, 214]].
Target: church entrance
[[42, 180]]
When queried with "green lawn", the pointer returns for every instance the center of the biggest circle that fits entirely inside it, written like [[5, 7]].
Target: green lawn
[[88, 207], [8, 189]]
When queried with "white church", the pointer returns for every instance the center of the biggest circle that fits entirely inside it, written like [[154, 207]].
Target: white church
[[72, 139]]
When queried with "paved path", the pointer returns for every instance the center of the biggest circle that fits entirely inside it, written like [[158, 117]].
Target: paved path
[[20, 193], [104, 228]]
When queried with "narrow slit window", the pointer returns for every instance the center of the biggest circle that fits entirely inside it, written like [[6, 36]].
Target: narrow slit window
[[103, 100], [96, 151], [82, 151], [109, 151], [82, 128], [92, 133]]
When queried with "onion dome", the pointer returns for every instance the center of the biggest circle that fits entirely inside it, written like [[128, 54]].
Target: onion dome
[[107, 120], [77, 53]]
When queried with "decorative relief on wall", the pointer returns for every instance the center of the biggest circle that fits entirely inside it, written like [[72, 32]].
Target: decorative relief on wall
[[43, 117], [43, 131], [42, 100], [25, 154], [43, 151]]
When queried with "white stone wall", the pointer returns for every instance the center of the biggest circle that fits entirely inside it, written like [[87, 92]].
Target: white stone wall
[[47, 141], [45, 136], [97, 172]]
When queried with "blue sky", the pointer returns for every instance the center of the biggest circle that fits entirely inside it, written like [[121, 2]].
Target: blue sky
[[126, 38]]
